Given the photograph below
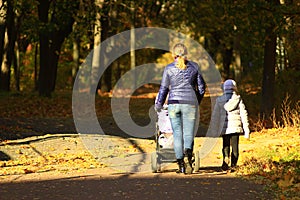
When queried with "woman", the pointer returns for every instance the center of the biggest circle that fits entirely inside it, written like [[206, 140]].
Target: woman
[[184, 84]]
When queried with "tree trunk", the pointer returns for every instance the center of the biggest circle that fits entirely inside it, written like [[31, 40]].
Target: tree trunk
[[76, 53], [95, 84], [50, 44], [9, 43], [5, 67], [227, 58], [54, 51], [238, 70], [105, 82], [36, 51], [292, 49], [2, 34], [16, 61], [44, 81], [267, 103], [132, 45], [268, 82], [2, 29]]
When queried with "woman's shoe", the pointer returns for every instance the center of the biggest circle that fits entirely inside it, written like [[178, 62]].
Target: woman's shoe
[[181, 166], [188, 159]]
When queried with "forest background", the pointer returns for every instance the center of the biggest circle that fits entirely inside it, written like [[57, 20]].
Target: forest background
[[43, 43]]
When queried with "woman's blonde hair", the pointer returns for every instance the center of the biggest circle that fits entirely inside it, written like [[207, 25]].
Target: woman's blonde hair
[[181, 63], [180, 52]]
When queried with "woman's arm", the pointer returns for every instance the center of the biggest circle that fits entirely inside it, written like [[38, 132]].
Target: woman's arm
[[201, 85], [163, 91]]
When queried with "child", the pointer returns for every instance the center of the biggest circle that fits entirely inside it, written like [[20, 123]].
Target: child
[[230, 119]]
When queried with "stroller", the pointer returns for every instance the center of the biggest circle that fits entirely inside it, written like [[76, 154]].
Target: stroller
[[164, 144]]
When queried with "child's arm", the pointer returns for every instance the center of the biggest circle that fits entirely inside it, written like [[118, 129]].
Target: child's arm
[[244, 118]]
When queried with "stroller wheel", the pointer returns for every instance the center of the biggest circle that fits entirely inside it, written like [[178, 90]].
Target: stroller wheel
[[155, 165], [196, 161]]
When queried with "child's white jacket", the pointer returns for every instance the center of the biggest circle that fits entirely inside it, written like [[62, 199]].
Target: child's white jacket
[[229, 116]]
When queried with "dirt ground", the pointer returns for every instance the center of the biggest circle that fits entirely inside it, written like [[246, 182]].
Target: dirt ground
[[124, 171], [169, 185]]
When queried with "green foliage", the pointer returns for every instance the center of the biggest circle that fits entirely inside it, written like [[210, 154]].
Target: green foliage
[[27, 20], [27, 71], [64, 74]]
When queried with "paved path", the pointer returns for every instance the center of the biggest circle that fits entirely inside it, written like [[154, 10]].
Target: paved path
[[128, 177], [168, 185]]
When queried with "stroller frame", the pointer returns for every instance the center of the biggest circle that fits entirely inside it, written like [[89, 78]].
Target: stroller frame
[[167, 155]]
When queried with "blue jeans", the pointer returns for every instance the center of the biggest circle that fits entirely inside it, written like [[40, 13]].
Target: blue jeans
[[183, 121]]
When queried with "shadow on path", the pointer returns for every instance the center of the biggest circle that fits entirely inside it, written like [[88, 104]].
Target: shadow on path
[[136, 186]]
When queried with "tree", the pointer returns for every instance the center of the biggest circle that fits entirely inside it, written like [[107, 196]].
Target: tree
[[8, 42], [85, 29], [105, 20], [52, 34], [119, 16], [268, 83], [98, 31], [2, 28], [292, 35]]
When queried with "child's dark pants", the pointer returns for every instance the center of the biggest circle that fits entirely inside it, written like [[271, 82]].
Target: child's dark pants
[[234, 140]]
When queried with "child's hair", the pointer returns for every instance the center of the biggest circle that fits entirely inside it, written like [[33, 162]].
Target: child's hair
[[180, 52]]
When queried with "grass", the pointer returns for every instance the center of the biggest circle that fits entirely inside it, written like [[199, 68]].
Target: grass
[[273, 155]]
